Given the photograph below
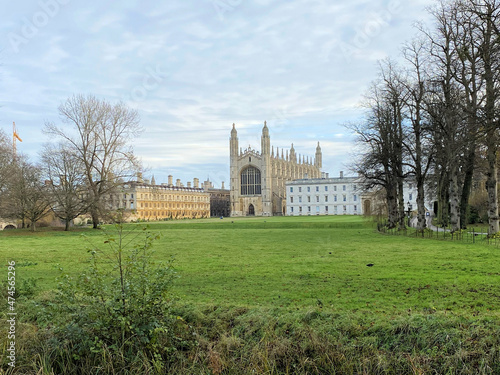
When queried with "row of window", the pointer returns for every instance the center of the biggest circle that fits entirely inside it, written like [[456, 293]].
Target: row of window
[[171, 205], [155, 214], [335, 209], [344, 188], [173, 197], [344, 198]]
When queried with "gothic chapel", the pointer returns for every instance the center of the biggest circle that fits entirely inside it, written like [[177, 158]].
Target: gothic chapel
[[258, 179]]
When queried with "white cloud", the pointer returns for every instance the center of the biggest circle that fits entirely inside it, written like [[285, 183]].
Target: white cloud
[[279, 61]]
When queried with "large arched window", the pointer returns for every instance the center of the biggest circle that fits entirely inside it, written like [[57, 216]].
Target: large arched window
[[250, 181]]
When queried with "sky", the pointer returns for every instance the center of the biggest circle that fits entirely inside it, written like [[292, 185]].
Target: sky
[[192, 68]]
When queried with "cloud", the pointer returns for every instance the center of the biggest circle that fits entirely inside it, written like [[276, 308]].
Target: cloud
[[191, 74]]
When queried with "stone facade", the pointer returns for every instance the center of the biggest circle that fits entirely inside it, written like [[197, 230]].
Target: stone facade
[[258, 178], [324, 196], [148, 201]]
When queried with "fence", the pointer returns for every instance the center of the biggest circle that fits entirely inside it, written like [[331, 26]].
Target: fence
[[469, 235]]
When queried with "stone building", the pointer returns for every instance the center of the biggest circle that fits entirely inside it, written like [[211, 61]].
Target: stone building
[[324, 196], [220, 205], [146, 200], [258, 178]]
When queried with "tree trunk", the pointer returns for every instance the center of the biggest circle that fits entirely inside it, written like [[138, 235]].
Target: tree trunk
[[442, 191], [392, 208], [95, 218], [454, 200], [66, 227], [420, 204], [401, 204], [491, 188], [467, 187]]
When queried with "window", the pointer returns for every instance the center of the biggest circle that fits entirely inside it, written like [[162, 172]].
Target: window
[[317, 198], [326, 188], [317, 209], [309, 208], [317, 188], [300, 199], [335, 198], [355, 197], [410, 197], [308, 198], [291, 190], [291, 209], [345, 208], [355, 208], [308, 189], [344, 198], [354, 187], [300, 209], [250, 181], [300, 189], [326, 208], [335, 188], [326, 198], [291, 199], [343, 187]]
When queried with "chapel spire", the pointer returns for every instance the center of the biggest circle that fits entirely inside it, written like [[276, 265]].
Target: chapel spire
[[318, 161], [265, 140], [233, 142]]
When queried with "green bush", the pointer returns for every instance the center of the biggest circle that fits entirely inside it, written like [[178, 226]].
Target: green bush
[[121, 306]]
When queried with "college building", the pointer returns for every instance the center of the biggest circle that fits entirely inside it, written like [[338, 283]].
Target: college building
[[258, 179], [146, 200], [324, 196]]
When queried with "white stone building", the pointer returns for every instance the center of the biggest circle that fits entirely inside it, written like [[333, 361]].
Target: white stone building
[[324, 196]]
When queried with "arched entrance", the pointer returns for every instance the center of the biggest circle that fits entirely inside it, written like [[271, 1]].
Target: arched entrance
[[251, 210]]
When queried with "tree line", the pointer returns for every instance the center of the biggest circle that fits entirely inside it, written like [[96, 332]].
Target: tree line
[[88, 158], [433, 116]]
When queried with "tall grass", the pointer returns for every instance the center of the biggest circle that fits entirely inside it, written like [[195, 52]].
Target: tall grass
[[280, 296]]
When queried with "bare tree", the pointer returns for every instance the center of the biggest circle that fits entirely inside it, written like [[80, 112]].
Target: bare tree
[[381, 139], [99, 133], [27, 197], [67, 186], [484, 18], [418, 144]]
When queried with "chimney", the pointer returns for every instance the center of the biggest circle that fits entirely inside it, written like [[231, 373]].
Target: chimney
[[327, 174], [139, 178], [222, 187], [170, 180], [207, 185], [178, 182], [189, 184], [341, 174], [196, 183]]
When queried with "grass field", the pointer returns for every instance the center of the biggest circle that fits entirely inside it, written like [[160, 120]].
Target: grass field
[[295, 294], [291, 262]]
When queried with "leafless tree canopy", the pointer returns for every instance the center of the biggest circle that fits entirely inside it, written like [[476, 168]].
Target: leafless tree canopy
[[442, 106], [99, 135]]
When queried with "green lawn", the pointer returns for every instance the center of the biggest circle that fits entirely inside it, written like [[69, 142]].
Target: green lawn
[[291, 263]]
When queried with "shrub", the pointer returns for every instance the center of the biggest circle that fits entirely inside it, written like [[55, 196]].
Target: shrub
[[121, 306]]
